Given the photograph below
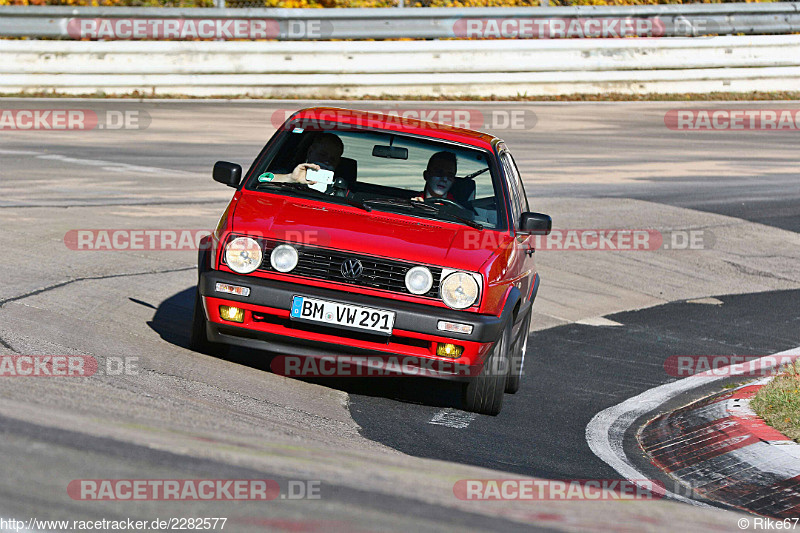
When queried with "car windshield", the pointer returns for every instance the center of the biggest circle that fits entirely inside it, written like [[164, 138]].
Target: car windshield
[[391, 172]]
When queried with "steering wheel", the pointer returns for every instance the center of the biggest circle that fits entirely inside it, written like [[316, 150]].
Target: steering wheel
[[444, 201]]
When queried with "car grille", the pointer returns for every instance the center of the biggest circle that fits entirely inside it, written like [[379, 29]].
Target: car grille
[[326, 264]]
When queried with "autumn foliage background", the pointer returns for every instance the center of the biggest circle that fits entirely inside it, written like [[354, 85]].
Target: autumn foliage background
[[339, 3]]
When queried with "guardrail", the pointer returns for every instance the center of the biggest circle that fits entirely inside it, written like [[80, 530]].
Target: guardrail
[[346, 69], [419, 23]]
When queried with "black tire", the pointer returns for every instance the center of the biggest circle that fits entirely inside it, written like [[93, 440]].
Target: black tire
[[518, 358], [199, 338], [484, 394]]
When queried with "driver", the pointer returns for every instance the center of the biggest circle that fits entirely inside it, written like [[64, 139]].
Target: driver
[[325, 152], [439, 177]]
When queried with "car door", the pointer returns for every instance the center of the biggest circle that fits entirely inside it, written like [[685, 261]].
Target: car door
[[525, 268]]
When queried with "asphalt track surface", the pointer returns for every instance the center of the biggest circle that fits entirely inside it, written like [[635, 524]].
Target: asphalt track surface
[[573, 376], [191, 416]]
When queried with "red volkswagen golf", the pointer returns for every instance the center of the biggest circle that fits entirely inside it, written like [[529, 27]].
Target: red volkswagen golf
[[362, 234]]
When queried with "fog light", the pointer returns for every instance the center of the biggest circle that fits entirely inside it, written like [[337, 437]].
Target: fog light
[[231, 314], [449, 350]]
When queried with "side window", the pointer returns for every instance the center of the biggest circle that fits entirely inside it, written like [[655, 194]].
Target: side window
[[512, 180], [523, 197]]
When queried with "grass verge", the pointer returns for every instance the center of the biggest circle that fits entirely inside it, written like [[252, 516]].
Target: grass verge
[[778, 402]]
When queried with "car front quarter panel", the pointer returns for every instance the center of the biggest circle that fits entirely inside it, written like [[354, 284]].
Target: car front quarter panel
[[498, 272], [221, 232]]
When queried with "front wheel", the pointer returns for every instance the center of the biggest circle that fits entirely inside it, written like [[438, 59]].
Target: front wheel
[[484, 394], [518, 358], [199, 339]]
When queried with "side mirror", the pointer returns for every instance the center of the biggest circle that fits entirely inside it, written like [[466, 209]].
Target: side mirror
[[228, 173], [535, 223]]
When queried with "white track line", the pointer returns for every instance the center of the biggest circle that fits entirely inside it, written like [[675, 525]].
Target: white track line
[[606, 430], [599, 321], [105, 165], [453, 418]]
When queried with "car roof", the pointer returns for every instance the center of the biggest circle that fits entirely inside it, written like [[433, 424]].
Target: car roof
[[375, 120]]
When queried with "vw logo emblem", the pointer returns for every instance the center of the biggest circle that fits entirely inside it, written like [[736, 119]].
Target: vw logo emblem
[[352, 269]]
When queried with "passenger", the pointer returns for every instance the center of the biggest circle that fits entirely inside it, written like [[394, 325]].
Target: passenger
[[325, 152], [439, 177]]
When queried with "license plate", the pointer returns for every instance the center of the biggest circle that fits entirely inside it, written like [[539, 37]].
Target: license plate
[[342, 315]]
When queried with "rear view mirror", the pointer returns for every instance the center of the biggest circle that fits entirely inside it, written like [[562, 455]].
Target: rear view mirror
[[535, 223], [228, 173], [390, 152]]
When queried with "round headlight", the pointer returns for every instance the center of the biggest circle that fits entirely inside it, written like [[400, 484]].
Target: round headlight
[[419, 280], [459, 290], [283, 258], [243, 255]]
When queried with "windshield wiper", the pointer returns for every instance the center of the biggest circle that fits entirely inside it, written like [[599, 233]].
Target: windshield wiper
[[354, 202], [305, 189], [399, 202]]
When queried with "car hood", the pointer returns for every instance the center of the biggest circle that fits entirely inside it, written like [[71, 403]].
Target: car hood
[[377, 233]]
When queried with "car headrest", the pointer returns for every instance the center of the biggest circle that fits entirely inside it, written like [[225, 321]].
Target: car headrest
[[463, 190], [347, 169]]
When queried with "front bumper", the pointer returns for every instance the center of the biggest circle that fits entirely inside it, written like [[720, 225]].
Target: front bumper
[[267, 325]]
